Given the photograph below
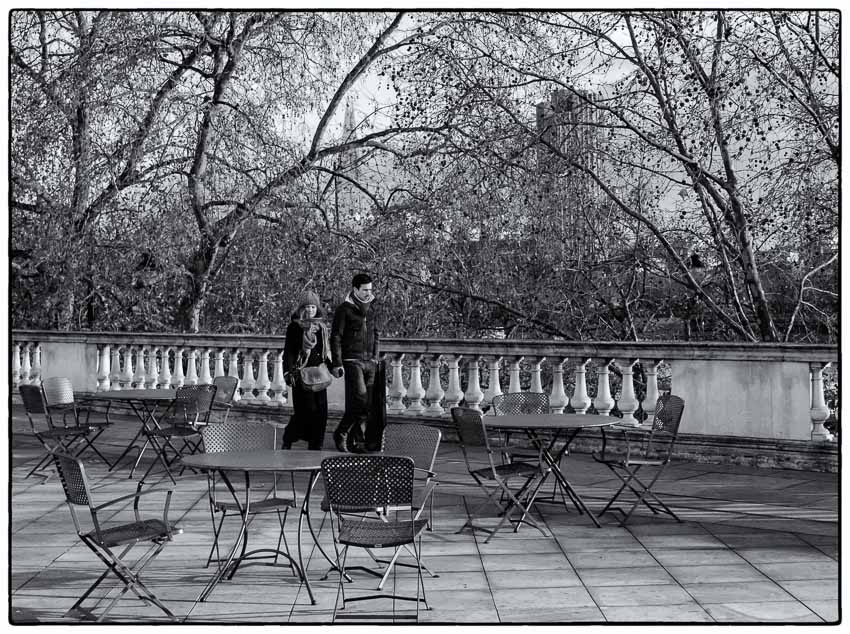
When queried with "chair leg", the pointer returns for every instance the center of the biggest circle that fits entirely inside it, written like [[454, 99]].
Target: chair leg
[[340, 588], [616, 496], [647, 490], [129, 576], [160, 455], [216, 533], [88, 444], [41, 464]]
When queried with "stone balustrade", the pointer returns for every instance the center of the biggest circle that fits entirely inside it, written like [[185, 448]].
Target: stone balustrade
[[101, 361], [773, 391]]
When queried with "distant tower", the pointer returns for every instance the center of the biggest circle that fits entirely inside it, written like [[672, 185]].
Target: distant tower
[[348, 197], [567, 125]]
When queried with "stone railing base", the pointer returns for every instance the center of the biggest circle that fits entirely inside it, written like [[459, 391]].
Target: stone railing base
[[801, 455]]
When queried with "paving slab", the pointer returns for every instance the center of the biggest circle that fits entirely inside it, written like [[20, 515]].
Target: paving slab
[[762, 612], [679, 613]]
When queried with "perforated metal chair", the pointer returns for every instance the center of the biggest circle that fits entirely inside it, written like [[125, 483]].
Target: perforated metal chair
[[377, 482], [226, 387], [421, 443], [189, 411], [112, 543], [52, 438], [244, 436], [60, 404], [518, 403], [644, 448], [495, 478]]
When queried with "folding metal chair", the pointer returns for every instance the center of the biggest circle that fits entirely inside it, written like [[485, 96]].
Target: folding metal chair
[[244, 436], [105, 541], [188, 413], [519, 403], [652, 448], [377, 482], [60, 403], [421, 443], [495, 478], [226, 387], [52, 438]]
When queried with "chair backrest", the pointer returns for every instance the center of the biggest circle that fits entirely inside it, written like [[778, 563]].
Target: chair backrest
[[193, 402], [238, 436], [225, 388], [58, 391], [74, 480], [32, 397], [668, 414], [419, 442], [521, 403], [33, 400], [470, 427], [368, 481]]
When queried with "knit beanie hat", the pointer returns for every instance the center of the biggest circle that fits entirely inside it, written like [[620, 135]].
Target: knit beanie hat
[[310, 297]]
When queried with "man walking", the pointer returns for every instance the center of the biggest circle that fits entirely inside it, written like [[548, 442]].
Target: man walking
[[354, 348]]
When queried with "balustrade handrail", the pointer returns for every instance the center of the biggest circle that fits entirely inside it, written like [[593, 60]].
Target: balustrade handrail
[[667, 350], [672, 350]]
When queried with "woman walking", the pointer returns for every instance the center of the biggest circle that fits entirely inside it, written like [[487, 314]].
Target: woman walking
[[307, 345]]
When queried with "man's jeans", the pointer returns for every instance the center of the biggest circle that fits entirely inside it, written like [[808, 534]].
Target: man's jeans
[[359, 384]]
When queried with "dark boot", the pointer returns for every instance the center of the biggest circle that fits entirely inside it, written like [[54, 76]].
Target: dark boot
[[340, 439]]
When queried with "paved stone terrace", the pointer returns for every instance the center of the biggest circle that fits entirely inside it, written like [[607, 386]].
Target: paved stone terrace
[[757, 545]]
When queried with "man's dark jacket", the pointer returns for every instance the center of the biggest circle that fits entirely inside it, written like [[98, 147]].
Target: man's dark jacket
[[354, 333]]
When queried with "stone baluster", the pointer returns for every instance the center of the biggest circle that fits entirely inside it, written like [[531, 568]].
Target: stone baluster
[[435, 391], [453, 394], [263, 384], [16, 365], [580, 400], [415, 391], [515, 385], [474, 395], [248, 382], [153, 369], [494, 387], [115, 367], [178, 379], [603, 402], [536, 372], [141, 369], [233, 370], [35, 374], [104, 369], [278, 384], [205, 378], [219, 362], [191, 367], [650, 370], [558, 397], [26, 365], [165, 368], [128, 374], [396, 393], [819, 412], [628, 402]]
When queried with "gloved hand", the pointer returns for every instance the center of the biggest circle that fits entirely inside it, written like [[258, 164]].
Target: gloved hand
[[287, 378], [338, 372]]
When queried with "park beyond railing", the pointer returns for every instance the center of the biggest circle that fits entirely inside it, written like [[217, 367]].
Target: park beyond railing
[[769, 391]]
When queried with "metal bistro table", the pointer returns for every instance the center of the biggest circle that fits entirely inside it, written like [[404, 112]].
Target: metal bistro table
[[562, 426], [144, 404], [246, 462]]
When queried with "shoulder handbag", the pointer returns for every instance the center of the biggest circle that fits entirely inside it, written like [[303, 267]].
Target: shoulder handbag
[[315, 378]]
